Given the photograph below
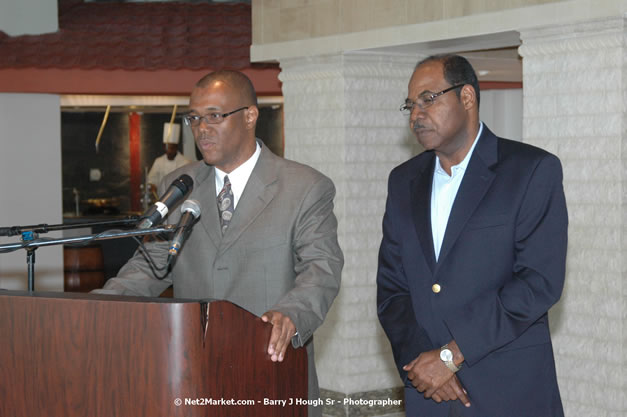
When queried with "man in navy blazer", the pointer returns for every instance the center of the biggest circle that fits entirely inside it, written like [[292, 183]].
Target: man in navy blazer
[[473, 256]]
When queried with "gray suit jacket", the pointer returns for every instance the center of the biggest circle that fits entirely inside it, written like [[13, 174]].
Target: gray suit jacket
[[280, 251]]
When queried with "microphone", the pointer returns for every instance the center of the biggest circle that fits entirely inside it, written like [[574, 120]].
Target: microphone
[[191, 211], [175, 193]]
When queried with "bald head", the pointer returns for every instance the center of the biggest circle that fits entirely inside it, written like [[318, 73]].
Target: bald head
[[237, 82]]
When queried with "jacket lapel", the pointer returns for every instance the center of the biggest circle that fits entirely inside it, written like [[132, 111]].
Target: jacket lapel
[[206, 196], [421, 209], [258, 193], [476, 182]]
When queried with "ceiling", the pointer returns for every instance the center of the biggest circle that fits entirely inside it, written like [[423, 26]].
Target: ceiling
[[494, 57]]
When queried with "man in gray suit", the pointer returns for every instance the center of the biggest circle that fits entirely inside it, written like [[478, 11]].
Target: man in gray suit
[[271, 248]]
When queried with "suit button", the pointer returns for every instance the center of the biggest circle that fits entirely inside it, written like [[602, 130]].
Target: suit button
[[436, 288]]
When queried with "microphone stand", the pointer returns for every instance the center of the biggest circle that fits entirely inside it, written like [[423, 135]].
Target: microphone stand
[[45, 228], [32, 245]]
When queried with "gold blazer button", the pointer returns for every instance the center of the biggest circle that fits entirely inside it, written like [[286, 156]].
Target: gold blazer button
[[436, 288]]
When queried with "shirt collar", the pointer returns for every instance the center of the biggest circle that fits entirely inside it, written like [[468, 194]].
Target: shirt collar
[[461, 167], [239, 176]]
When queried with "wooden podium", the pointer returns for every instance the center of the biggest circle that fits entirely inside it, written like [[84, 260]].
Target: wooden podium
[[66, 355]]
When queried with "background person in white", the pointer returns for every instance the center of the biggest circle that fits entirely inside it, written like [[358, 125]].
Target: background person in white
[[171, 160]]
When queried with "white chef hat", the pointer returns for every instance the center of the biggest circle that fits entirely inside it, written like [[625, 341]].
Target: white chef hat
[[171, 132]]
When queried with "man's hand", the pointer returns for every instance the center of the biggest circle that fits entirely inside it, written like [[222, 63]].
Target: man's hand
[[282, 331], [450, 391], [427, 372], [430, 375]]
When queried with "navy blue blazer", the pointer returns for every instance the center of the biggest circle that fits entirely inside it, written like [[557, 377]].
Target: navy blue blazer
[[501, 267]]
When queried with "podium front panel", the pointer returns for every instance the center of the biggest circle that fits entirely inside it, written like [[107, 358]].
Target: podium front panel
[[100, 356]]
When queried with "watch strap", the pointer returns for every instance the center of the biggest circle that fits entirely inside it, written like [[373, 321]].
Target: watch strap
[[450, 364]]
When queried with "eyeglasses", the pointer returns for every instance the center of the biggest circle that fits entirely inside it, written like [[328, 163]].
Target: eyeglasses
[[211, 118], [425, 100]]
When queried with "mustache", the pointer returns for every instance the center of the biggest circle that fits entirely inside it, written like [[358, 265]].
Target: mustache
[[204, 137], [416, 125]]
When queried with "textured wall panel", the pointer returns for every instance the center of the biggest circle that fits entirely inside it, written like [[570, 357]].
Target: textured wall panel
[[574, 88], [341, 117]]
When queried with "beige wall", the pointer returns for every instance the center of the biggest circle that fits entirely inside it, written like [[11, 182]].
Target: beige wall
[[300, 28], [30, 182], [29, 17], [30, 161], [288, 20]]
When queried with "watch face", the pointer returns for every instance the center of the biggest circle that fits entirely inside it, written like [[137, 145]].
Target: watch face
[[446, 355]]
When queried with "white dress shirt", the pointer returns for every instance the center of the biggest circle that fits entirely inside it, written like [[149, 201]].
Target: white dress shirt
[[238, 177], [443, 192]]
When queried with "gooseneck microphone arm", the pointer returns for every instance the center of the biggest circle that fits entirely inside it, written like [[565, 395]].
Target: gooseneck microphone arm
[[190, 210]]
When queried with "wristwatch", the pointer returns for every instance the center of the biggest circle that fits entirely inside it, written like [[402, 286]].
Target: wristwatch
[[446, 356]]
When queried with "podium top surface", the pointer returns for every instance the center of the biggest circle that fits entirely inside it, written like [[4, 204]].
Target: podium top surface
[[100, 297]]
